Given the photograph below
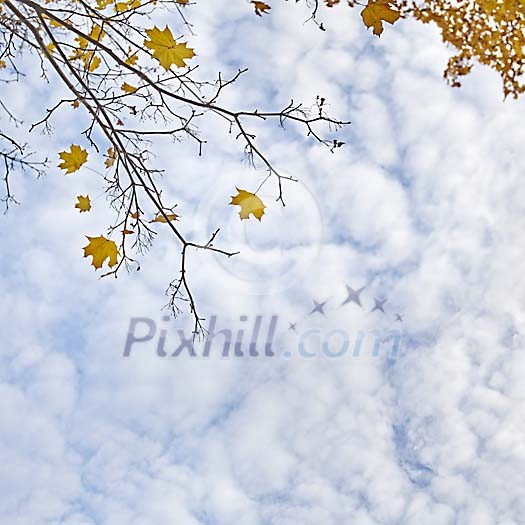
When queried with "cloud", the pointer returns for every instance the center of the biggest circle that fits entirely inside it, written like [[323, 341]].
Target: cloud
[[424, 205]]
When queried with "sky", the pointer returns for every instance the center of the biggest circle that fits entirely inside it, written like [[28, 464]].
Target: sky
[[424, 205]]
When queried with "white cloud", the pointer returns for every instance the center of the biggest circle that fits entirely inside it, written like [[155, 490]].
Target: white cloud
[[424, 204]]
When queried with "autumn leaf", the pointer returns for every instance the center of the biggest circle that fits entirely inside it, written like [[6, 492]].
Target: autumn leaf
[[376, 12], [51, 47], [3, 65], [127, 232], [73, 159], [161, 218], [249, 203], [260, 7], [89, 59], [132, 58], [128, 88], [102, 4], [111, 157], [55, 23], [122, 7], [97, 33], [166, 49], [101, 249], [83, 204]]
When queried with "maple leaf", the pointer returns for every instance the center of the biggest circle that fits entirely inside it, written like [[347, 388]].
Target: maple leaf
[[161, 218], [110, 158], [55, 23], [102, 4], [166, 49], [83, 204], [128, 88], [376, 12], [90, 60], [2, 64], [249, 203], [101, 249], [96, 33], [73, 159], [132, 58], [260, 7], [122, 7]]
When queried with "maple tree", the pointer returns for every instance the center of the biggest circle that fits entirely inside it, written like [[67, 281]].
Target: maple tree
[[491, 32], [124, 72]]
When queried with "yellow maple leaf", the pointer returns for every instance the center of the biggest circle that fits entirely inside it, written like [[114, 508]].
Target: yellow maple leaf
[[83, 204], [249, 203], [161, 218], [102, 4], [101, 249], [110, 158], [73, 159], [128, 88], [166, 49], [376, 12], [260, 7], [96, 33], [131, 60], [90, 60], [122, 7]]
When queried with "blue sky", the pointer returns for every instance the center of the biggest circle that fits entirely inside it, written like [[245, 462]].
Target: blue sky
[[424, 204]]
